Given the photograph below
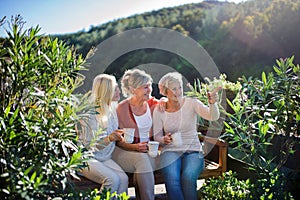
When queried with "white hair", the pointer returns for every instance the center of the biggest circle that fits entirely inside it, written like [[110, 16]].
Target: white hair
[[133, 79], [167, 79]]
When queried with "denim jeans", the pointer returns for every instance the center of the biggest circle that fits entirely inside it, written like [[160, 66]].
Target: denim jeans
[[182, 173]]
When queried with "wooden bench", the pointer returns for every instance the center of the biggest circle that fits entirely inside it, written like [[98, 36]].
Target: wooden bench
[[215, 164]]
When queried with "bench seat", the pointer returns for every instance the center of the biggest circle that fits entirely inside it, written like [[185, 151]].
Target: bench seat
[[215, 164]]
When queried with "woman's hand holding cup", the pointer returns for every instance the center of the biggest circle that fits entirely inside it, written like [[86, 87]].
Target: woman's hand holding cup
[[116, 135], [168, 138], [142, 147]]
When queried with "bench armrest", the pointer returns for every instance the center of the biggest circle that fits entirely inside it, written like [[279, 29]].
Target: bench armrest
[[222, 146], [212, 140]]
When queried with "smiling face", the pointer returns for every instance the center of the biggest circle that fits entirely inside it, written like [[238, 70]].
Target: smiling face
[[174, 91], [143, 92]]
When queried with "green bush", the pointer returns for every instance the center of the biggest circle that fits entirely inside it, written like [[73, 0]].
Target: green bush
[[38, 115], [271, 185], [227, 187], [265, 108], [230, 187], [259, 110]]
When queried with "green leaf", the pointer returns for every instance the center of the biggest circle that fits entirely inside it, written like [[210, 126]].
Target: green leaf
[[26, 172], [264, 78], [7, 110], [277, 70], [14, 116], [33, 176]]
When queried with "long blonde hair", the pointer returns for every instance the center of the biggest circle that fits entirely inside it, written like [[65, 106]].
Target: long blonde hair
[[102, 93]]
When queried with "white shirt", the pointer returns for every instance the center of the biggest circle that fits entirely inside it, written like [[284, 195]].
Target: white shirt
[[96, 131], [184, 121], [144, 124]]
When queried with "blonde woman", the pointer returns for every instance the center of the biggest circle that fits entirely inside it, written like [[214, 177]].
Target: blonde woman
[[100, 135], [182, 158]]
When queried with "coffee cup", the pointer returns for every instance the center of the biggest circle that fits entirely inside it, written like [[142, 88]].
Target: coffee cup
[[176, 139], [128, 134], [153, 148]]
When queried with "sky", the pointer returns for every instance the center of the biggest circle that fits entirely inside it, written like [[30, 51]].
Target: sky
[[69, 16]]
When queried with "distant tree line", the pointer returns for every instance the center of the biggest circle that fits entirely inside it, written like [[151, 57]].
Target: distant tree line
[[242, 39]]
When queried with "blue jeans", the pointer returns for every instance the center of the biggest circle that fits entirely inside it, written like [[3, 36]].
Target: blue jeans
[[181, 172]]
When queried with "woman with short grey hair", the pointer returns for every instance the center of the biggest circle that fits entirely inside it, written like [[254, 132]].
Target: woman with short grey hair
[[181, 157], [136, 112], [134, 79]]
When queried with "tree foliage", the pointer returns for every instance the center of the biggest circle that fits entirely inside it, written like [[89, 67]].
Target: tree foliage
[[242, 39]]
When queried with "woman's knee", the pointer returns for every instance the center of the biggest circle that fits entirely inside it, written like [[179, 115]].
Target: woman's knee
[[112, 181], [123, 178], [143, 163], [190, 177]]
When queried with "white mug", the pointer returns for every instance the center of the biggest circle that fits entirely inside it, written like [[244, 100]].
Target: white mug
[[176, 139], [153, 148], [128, 134]]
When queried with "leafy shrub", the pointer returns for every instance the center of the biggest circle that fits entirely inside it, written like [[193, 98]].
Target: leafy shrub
[[259, 110], [271, 185], [38, 114], [227, 187], [263, 109]]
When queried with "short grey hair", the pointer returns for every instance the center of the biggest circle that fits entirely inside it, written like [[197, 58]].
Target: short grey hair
[[132, 79], [167, 79]]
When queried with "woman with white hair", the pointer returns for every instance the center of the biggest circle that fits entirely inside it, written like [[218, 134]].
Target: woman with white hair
[[136, 112], [100, 134], [181, 157]]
